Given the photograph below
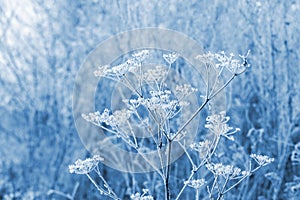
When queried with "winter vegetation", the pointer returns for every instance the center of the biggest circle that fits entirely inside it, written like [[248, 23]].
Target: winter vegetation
[[247, 148]]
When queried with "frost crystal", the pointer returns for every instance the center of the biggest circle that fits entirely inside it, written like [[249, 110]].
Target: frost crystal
[[85, 166], [196, 184], [262, 160], [170, 58]]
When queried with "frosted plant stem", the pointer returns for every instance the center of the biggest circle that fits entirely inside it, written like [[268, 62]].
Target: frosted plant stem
[[75, 190], [168, 169], [105, 183], [197, 194], [132, 133], [190, 178], [141, 79], [242, 179], [225, 85], [213, 185], [159, 145], [207, 85], [214, 146], [100, 189], [130, 85], [148, 127], [146, 159], [103, 127], [140, 153], [214, 84], [235, 184], [202, 106], [164, 78], [170, 111], [67, 196], [223, 188], [190, 119], [188, 155]]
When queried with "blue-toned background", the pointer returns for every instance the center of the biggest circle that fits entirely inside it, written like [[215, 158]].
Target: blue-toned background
[[43, 44]]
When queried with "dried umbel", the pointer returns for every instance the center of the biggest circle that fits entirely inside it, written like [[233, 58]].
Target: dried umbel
[[262, 160], [217, 124], [144, 196], [221, 61], [196, 183], [85, 166], [230, 171]]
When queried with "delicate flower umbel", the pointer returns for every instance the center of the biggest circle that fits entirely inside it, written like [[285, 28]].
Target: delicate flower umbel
[[171, 58], [225, 170], [221, 61], [217, 124], [262, 160], [144, 196], [118, 118], [130, 65], [102, 71], [141, 55], [155, 74], [202, 148], [85, 166], [196, 184], [161, 102], [121, 116]]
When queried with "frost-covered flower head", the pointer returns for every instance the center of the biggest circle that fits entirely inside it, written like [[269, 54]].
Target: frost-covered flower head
[[217, 124], [85, 166], [225, 170], [119, 117], [262, 160], [102, 71], [170, 58], [160, 101], [196, 184], [144, 196], [202, 147], [222, 60], [130, 65], [141, 55]]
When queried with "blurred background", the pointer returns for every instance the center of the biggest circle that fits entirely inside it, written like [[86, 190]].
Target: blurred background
[[43, 44]]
